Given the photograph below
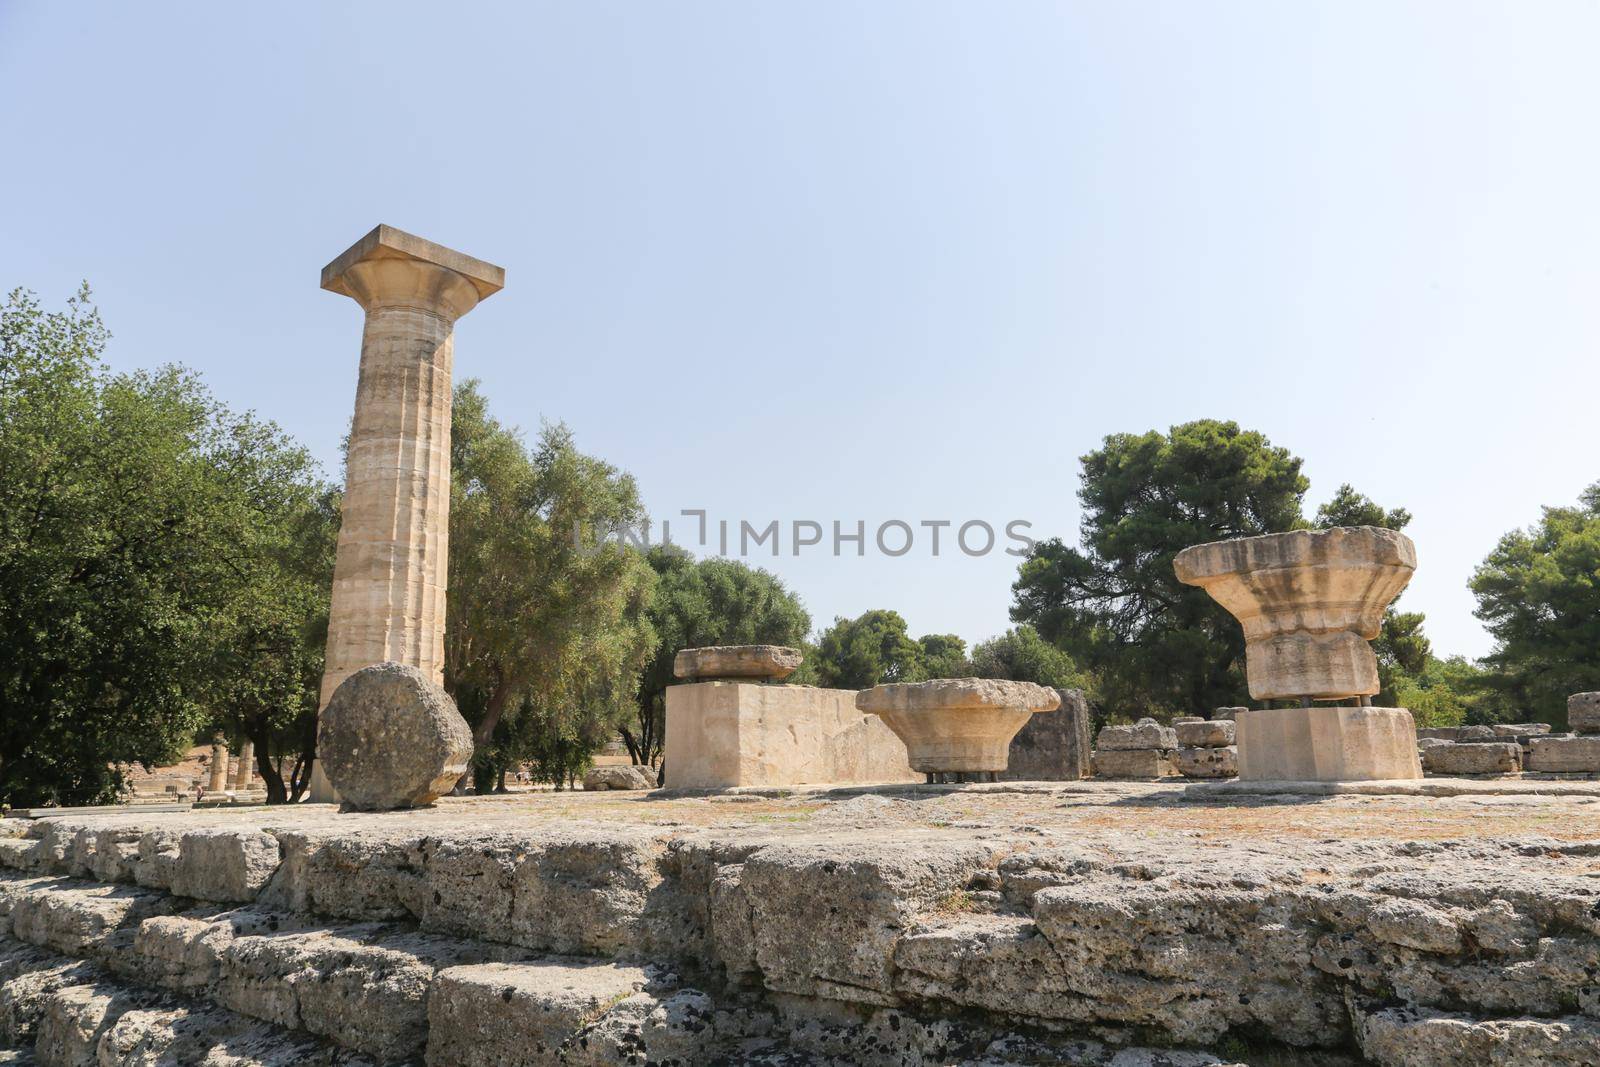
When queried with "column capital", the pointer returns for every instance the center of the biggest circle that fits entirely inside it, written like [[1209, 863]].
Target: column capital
[[389, 267]]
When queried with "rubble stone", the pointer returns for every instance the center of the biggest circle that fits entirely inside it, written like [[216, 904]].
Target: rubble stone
[[1473, 758], [1133, 763], [1213, 762], [635, 777], [1583, 713], [1218, 733], [1144, 734]]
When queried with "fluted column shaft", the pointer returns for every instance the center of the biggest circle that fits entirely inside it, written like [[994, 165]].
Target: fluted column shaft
[[390, 574], [390, 569]]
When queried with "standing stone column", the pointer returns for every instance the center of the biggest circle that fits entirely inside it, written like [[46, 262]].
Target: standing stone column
[[219, 765], [246, 769], [389, 573]]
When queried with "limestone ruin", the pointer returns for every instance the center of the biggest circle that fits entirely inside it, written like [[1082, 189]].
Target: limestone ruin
[[1309, 602], [954, 728], [733, 729], [389, 574]]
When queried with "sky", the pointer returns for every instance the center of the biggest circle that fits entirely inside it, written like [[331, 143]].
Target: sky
[[865, 262]]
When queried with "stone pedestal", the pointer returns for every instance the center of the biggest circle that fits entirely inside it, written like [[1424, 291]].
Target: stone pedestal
[[1327, 744], [389, 574], [723, 734]]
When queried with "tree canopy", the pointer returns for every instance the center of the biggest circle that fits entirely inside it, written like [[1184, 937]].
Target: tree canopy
[[535, 610], [1021, 655], [1538, 594], [160, 567], [871, 649], [1115, 605]]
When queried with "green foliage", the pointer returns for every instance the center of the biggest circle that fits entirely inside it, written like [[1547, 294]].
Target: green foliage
[[1350, 508], [1538, 594], [701, 603], [534, 611], [1115, 605], [944, 656], [157, 569], [869, 650], [1022, 655]]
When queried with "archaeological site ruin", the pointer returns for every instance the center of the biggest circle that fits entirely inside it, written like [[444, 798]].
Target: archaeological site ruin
[[977, 871]]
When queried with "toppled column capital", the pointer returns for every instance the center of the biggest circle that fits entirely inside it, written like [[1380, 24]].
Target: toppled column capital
[[392, 268]]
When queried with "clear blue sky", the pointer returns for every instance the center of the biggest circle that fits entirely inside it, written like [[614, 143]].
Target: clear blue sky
[[887, 260]]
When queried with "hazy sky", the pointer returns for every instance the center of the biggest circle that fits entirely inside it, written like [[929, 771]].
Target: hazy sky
[[869, 261]]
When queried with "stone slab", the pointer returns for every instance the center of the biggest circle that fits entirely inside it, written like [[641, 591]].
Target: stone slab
[[1218, 733], [1133, 763], [724, 734], [1565, 755], [727, 662], [1329, 744], [1473, 758]]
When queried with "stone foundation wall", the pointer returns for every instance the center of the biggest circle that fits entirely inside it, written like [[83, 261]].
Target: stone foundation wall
[[375, 943]]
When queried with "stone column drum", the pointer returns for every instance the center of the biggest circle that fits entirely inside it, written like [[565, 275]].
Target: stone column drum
[[1309, 602], [219, 766], [247, 766], [389, 574]]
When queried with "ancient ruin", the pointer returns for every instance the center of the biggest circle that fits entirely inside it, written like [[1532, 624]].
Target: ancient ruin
[[1206, 748], [728, 727], [954, 728], [391, 738], [1309, 602], [390, 573], [1079, 925], [1141, 750], [1053, 748]]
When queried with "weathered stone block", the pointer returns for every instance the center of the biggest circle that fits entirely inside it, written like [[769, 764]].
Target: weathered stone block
[[583, 895], [825, 916], [1220, 762], [1144, 734], [1477, 758], [761, 662], [1228, 713], [1565, 755], [1322, 744], [391, 737], [722, 734], [1055, 747], [1520, 729], [519, 1015], [617, 777], [1133, 763], [1583, 713], [1218, 733], [223, 864]]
